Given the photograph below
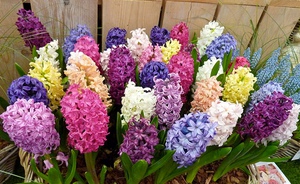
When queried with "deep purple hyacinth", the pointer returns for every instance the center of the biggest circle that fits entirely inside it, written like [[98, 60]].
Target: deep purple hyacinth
[[189, 137], [27, 87], [121, 69], [221, 45], [32, 30], [159, 36], [115, 36], [265, 117], [153, 69], [139, 141], [168, 94], [75, 34]]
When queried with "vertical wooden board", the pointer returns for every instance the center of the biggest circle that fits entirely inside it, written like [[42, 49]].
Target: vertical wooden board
[[196, 15], [12, 49], [240, 21], [129, 15], [60, 18], [275, 28]]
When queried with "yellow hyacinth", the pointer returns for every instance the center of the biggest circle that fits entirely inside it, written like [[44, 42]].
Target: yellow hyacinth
[[238, 85], [172, 47]]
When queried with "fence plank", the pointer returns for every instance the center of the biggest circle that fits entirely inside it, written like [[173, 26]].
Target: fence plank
[[60, 18], [195, 14], [129, 15], [240, 21], [12, 47]]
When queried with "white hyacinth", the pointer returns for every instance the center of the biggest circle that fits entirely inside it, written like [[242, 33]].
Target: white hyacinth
[[48, 53]]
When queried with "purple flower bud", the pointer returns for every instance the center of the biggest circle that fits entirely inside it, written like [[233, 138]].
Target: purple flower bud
[[153, 69], [115, 36]]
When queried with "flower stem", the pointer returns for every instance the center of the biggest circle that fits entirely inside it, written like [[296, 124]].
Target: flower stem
[[90, 164]]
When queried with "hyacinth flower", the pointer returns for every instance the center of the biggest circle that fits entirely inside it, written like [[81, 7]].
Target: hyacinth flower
[[208, 91], [180, 32], [49, 53], [238, 85], [151, 53], [183, 64], [75, 34], [171, 48], [83, 71], [226, 114], [210, 31], [220, 46], [121, 69], [137, 43], [87, 121], [31, 126], [88, 46], [27, 87], [265, 117], [137, 100], [240, 61], [159, 36], [153, 69], [115, 36], [32, 30], [168, 94], [189, 137]]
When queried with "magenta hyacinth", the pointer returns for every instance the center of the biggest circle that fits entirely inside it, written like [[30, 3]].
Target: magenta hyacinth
[[121, 69], [86, 119], [180, 32], [31, 126], [139, 141], [183, 64]]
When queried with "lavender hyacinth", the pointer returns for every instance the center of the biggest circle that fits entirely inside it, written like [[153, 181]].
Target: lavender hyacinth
[[115, 36], [159, 36], [189, 137], [27, 87], [265, 117], [221, 45], [153, 69], [32, 30], [139, 141], [168, 94], [75, 34]]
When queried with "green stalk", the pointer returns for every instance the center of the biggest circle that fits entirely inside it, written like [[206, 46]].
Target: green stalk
[[90, 164]]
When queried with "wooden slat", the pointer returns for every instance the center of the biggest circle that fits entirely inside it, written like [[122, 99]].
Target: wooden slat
[[195, 14], [286, 3], [60, 18], [12, 47], [237, 20], [275, 28], [238, 2], [129, 15]]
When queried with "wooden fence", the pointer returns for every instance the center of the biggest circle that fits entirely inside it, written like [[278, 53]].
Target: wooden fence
[[255, 23]]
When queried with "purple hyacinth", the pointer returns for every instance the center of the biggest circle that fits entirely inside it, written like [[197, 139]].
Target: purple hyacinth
[[221, 45], [75, 34], [153, 69], [139, 141], [32, 30], [27, 87], [115, 36], [168, 94], [189, 137], [159, 36], [266, 116], [121, 69]]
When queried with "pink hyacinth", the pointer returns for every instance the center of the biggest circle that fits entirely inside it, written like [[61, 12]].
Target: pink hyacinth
[[183, 64], [86, 119], [181, 32], [151, 53]]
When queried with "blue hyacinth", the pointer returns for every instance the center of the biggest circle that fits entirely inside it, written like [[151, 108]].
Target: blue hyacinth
[[283, 71], [115, 36], [153, 69], [247, 53], [189, 137], [296, 98], [255, 58], [159, 36], [293, 85]]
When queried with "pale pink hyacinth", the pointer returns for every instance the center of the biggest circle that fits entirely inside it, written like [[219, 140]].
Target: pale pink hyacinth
[[151, 53], [226, 114], [138, 42], [137, 100], [104, 60], [208, 91], [285, 131], [82, 70]]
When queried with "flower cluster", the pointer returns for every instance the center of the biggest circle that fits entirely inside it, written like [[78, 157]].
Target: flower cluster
[[115, 37], [153, 69]]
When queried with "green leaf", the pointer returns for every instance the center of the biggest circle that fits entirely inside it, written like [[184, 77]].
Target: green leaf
[[4, 136], [162, 136], [138, 170], [160, 163], [127, 164], [102, 174], [231, 68], [119, 130], [19, 70], [155, 121], [194, 39], [60, 58], [70, 174], [89, 178], [34, 52], [226, 60], [54, 176], [37, 172], [196, 64], [137, 76], [215, 69], [3, 103], [221, 79], [64, 80], [234, 138]]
